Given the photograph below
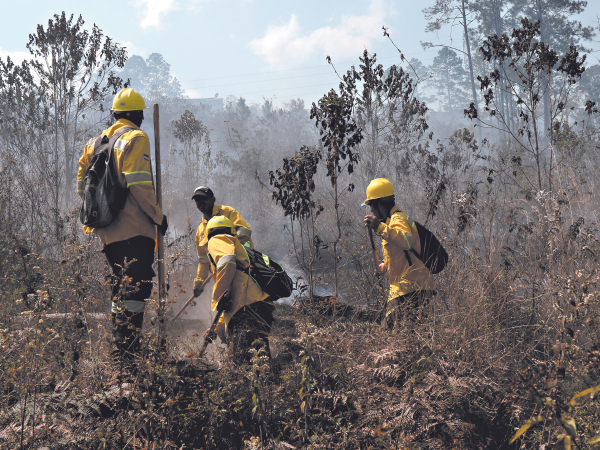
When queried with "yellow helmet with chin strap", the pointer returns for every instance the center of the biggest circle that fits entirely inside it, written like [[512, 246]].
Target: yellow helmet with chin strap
[[219, 225], [378, 188], [128, 100]]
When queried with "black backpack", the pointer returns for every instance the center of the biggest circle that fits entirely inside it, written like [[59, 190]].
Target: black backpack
[[268, 274], [103, 195], [433, 255]]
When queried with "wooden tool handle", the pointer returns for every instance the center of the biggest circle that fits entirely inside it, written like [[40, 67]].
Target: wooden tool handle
[[160, 245], [375, 255], [213, 325], [190, 300]]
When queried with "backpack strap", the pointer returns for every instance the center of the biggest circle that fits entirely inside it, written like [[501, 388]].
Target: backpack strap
[[407, 254], [246, 270], [211, 260], [111, 147], [413, 225], [98, 142], [106, 140], [111, 144], [241, 268], [414, 252], [238, 266]]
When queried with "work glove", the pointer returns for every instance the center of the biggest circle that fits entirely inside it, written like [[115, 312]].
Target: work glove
[[198, 292], [209, 335], [164, 225], [372, 221]]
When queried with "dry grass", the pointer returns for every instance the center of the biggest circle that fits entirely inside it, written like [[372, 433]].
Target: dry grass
[[512, 334]]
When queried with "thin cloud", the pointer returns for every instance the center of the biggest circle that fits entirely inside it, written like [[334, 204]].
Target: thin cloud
[[194, 6], [133, 49], [289, 44], [16, 57], [153, 12]]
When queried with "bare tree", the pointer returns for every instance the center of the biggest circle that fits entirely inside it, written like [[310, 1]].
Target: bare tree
[[196, 148], [391, 119], [339, 135], [73, 70], [558, 31], [294, 187], [453, 11], [527, 63]]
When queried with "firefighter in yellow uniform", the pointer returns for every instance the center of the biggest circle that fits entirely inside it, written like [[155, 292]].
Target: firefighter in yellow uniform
[[132, 234], [247, 312], [411, 282], [205, 202]]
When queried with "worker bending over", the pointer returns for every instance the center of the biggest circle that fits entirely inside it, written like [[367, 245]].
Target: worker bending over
[[411, 283], [129, 240], [205, 202], [247, 312]]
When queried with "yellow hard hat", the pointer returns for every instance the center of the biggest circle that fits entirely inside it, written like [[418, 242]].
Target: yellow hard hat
[[378, 188], [128, 100], [219, 222]]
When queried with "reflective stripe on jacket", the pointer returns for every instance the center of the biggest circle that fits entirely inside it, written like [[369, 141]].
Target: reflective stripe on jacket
[[227, 252], [399, 235], [243, 230], [141, 211]]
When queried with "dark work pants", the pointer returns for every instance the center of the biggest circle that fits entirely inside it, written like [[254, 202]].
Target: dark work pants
[[250, 328], [129, 296], [410, 307]]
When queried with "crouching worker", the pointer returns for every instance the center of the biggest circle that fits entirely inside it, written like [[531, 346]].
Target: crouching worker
[[205, 202], [247, 312], [411, 282]]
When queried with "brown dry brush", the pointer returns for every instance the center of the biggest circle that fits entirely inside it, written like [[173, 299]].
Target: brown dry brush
[[511, 335], [514, 250], [511, 339]]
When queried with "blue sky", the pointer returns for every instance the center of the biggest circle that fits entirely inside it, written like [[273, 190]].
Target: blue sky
[[253, 48]]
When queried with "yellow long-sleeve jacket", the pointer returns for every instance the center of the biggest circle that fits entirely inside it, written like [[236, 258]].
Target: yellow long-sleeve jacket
[[243, 232], [226, 252], [141, 211], [399, 235]]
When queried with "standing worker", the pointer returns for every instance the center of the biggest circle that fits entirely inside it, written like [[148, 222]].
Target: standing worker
[[205, 202], [411, 282], [129, 241], [247, 312]]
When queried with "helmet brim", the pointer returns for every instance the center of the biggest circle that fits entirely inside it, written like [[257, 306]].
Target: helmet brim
[[219, 231], [379, 199], [128, 110]]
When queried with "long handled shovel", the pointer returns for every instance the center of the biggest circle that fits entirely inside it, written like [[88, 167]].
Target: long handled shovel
[[162, 291], [224, 298], [213, 325], [375, 255], [190, 300]]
